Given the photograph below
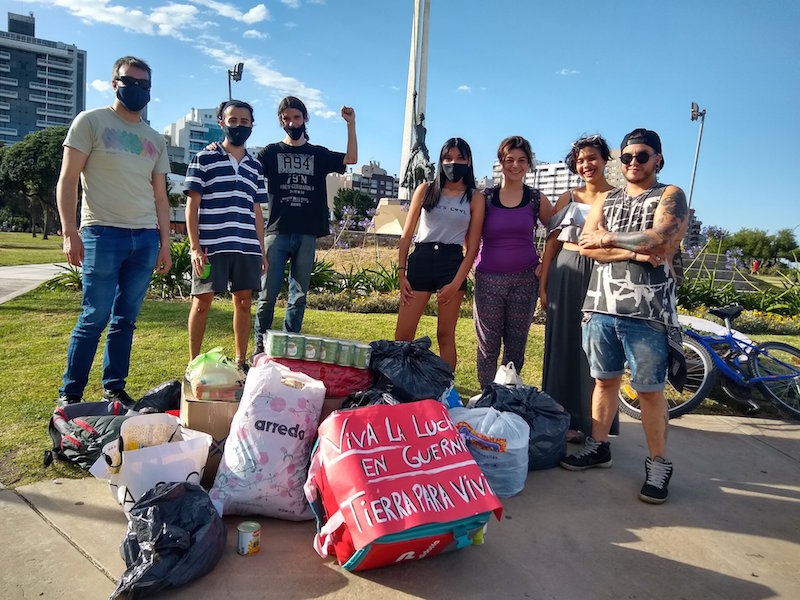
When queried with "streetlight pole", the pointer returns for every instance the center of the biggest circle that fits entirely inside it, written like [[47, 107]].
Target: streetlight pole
[[701, 114], [236, 75]]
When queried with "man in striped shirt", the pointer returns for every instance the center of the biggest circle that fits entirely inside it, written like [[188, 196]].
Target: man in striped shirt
[[226, 187]]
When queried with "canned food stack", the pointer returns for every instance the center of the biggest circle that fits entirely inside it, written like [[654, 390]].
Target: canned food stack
[[346, 353]]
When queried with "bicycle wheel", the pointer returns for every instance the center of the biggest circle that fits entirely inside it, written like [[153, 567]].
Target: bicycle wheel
[[777, 358], [700, 378]]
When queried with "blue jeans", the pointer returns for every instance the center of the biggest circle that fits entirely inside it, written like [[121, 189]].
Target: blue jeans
[[117, 268], [609, 341], [280, 248]]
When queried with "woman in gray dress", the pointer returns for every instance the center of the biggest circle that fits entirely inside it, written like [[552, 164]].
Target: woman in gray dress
[[563, 281]]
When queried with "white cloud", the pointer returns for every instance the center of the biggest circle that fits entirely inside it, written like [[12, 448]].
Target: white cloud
[[290, 24], [104, 87], [255, 15], [567, 72], [316, 1], [291, 3], [464, 88], [395, 88], [253, 34]]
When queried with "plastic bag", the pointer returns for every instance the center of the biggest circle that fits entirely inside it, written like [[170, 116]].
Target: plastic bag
[[369, 398], [264, 464], [409, 370], [339, 381], [174, 536], [151, 449], [547, 419], [161, 398], [498, 441], [212, 368], [507, 375]]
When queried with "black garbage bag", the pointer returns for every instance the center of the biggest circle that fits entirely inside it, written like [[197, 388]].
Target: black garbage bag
[[548, 420], [409, 370], [369, 398], [161, 398], [174, 536]]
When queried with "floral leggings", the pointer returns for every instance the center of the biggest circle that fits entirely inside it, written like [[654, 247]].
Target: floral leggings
[[503, 307]]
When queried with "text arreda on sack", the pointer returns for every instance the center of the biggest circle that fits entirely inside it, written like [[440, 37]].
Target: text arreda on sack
[[412, 465]]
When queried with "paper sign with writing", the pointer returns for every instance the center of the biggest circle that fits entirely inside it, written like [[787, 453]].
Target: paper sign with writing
[[392, 468]]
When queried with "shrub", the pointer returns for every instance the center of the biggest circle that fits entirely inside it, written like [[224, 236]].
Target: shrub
[[177, 282]]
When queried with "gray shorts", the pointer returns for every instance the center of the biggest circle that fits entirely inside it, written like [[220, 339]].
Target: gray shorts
[[241, 271]]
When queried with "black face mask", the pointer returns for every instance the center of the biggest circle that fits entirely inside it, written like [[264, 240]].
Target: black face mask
[[237, 135], [295, 132], [133, 97], [455, 171]]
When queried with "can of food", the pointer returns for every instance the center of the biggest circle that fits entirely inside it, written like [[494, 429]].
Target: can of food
[[295, 346], [361, 355], [346, 349], [249, 537], [313, 347], [276, 343], [329, 351]]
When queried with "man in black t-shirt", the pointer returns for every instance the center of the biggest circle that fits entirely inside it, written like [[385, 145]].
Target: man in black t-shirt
[[298, 211]]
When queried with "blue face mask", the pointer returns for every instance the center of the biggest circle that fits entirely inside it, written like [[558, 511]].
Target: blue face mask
[[237, 135], [133, 97]]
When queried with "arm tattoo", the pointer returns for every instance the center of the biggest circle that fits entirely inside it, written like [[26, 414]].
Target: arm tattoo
[[636, 241], [675, 205]]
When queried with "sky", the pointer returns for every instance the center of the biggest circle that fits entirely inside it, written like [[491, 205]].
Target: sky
[[550, 71]]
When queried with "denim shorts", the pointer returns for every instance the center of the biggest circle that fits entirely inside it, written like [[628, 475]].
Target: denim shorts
[[609, 341], [431, 266]]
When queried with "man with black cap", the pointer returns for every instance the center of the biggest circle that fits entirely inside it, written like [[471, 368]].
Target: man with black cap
[[630, 306]]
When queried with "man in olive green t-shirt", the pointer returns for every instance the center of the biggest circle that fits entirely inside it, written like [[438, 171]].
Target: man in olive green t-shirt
[[124, 229]]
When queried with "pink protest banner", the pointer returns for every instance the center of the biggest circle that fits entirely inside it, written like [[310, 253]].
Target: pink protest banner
[[387, 469]]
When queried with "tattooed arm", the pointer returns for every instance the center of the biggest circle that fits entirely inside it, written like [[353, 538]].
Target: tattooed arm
[[669, 226]]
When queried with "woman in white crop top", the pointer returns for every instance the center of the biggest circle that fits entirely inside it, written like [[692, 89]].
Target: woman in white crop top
[[449, 212]]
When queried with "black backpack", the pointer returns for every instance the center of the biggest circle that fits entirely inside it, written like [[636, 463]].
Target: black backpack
[[79, 431]]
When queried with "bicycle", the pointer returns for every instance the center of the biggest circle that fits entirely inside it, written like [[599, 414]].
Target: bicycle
[[773, 368]]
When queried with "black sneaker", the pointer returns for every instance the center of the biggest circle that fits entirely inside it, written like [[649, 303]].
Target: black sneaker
[[592, 454], [243, 367], [120, 396], [659, 472], [65, 399]]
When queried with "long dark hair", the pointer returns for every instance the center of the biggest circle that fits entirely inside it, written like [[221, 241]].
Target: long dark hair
[[434, 191], [593, 141], [292, 102]]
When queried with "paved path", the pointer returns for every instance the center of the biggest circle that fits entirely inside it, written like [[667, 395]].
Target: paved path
[[730, 530], [15, 281]]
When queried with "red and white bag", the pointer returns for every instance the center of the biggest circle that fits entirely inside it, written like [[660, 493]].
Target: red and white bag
[[395, 483]]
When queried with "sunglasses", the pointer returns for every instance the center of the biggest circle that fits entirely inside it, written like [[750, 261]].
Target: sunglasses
[[641, 157], [129, 81], [592, 139]]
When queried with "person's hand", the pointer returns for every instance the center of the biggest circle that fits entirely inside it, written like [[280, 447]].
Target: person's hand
[[406, 292], [543, 297], [538, 271], [199, 260], [73, 248], [212, 146], [447, 293], [653, 259], [164, 259], [263, 264], [348, 114], [592, 239]]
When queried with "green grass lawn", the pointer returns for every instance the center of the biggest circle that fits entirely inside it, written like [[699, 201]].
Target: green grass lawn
[[35, 330], [24, 249]]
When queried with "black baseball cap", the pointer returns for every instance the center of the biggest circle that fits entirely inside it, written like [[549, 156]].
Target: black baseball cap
[[642, 136]]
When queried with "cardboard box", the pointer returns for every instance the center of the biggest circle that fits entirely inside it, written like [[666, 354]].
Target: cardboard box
[[212, 417]]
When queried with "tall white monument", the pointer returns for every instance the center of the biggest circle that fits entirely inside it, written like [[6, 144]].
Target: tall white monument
[[417, 85]]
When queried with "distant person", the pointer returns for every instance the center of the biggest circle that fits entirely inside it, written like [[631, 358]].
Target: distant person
[[756, 266], [124, 230], [562, 286], [449, 211], [630, 306], [226, 187], [298, 211], [506, 285]]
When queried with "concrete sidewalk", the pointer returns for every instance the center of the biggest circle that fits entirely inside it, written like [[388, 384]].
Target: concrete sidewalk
[[730, 530], [18, 280]]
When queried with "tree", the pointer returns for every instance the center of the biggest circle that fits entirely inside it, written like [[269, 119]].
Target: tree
[[360, 201], [754, 243], [784, 245], [175, 198], [31, 167]]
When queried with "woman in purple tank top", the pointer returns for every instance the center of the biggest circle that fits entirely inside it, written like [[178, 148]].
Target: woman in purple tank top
[[506, 286]]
